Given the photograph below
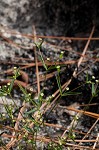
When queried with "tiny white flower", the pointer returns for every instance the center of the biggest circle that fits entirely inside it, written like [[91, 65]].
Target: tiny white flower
[[15, 68], [40, 39], [76, 117], [31, 89], [58, 67], [60, 142], [29, 141], [93, 77], [73, 135], [50, 96], [62, 52], [7, 35], [67, 88], [5, 94], [29, 94], [53, 95], [47, 98], [42, 94], [18, 36], [8, 83], [3, 114], [41, 120], [48, 59], [89, 82], [97, 81]]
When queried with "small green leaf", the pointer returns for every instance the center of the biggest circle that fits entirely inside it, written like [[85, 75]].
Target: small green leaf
[[93, 89], [71, 93]]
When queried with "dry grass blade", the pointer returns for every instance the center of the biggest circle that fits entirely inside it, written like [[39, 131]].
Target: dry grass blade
[[96, 141], [93, 115], [13, 32], [68, 38], [9, 41], [36, 60], [83, 53]]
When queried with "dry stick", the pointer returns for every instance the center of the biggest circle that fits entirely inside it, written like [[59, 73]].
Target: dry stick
[[36, 61]]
